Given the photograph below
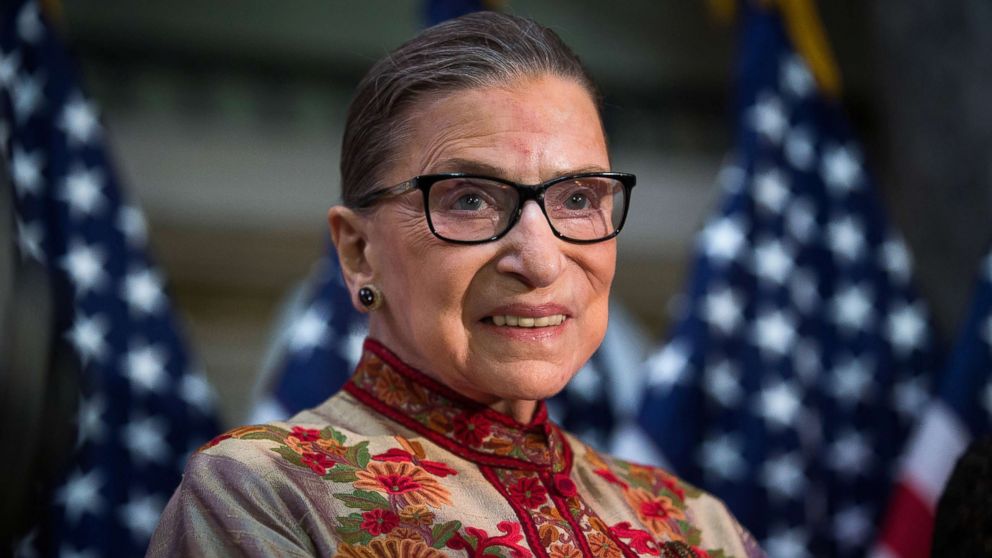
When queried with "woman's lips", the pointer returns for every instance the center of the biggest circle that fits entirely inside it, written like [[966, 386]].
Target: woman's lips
[[522, 321], [526, 316]]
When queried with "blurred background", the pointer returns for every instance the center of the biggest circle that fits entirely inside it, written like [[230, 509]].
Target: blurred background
[[226, 120]]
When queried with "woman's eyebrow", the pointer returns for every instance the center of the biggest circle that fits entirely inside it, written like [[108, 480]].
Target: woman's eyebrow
[[469, 166]]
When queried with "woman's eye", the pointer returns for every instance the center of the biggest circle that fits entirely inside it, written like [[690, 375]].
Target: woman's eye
[[468, 202], [577, 200]]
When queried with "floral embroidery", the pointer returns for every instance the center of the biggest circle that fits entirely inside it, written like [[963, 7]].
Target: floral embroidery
[[405, 482], [602, 547], [564, 551], [479, 543], [379, 521], [395, 501], [453, 421], [658, 513], [528, 492], [390, 548]]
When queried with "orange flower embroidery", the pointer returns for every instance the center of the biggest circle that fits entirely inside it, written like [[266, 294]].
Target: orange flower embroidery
[[390, 548], [331, 446], [417, 515], [602, 547], [392, 390], [564, 551], [403, 533], [404, 481], [657, 513]]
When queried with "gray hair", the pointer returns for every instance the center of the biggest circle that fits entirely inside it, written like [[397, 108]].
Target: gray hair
[[482, 49]]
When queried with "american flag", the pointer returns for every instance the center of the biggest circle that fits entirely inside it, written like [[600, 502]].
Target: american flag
[[143, 405], [318, 345], [803, 355], [960, 413]]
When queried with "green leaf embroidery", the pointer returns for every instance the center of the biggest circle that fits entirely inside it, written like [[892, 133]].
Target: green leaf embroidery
[[329, 432], [350, 530], [272, 436], [341, 473], [493, 551], [364, 500], [289, 454], [441, 533]]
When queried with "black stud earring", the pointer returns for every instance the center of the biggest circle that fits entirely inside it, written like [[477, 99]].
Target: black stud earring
[[370, 296]]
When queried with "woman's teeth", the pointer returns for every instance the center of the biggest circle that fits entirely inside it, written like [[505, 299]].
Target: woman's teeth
[[519, 321]]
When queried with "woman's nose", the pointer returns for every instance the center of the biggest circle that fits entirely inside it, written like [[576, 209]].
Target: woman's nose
[[533, 252]]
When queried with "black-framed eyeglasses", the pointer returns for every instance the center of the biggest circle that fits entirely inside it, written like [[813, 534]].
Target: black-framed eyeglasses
[[472, 209]]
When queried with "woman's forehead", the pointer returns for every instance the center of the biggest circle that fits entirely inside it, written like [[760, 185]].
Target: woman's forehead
[[548, 127]]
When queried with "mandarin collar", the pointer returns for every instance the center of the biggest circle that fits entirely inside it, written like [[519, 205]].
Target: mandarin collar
[[465, 427]]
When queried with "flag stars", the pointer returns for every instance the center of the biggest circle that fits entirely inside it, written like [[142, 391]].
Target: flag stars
[[789, 543], [722, 309], [81, 191], [26, 171], [846, 238], [88, 336], [144, 366], [795, 77], [851, 381], [309, 331], [9, 66], [852, 526], [195, 391], [906, 328], [81, 495], [852, 308], [768, 118], [668, 366], [29, 25], [800, 220], [770, 190], [145, 440], [90, 419], [143, 291], [131, 222], [79, 121], [774, 332], [26, 96], [799, 148], [140, 514], [783, 476], [910, 397], [773, 261], [586, 384], [84, 264], [722, 455], [723, 239], [841, 168], [722, 383], [850, 454], [895, 259], [779, 404]]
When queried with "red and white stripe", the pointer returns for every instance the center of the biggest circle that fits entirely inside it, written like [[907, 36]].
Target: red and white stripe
[[933, 451]]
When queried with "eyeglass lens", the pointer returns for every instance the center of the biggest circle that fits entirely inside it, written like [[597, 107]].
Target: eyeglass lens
[[471, 209]]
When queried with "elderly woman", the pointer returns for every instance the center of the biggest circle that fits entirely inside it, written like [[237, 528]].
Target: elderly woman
[[478, 230]]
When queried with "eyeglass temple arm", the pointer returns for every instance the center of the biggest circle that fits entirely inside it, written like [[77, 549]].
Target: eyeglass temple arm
[[399, 189]]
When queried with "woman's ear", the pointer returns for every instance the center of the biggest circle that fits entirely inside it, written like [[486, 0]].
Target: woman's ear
[[349, 234]]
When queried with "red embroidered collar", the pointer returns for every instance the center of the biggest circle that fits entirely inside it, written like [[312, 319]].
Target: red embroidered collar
[[464, 427]]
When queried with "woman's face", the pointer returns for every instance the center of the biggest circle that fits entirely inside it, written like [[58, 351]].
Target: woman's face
[[440, 298]]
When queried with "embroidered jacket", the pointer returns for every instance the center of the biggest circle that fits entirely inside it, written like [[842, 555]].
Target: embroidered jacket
[[397, 465]]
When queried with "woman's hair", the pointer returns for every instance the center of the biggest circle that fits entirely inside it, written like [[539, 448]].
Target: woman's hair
[[477, 50]]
